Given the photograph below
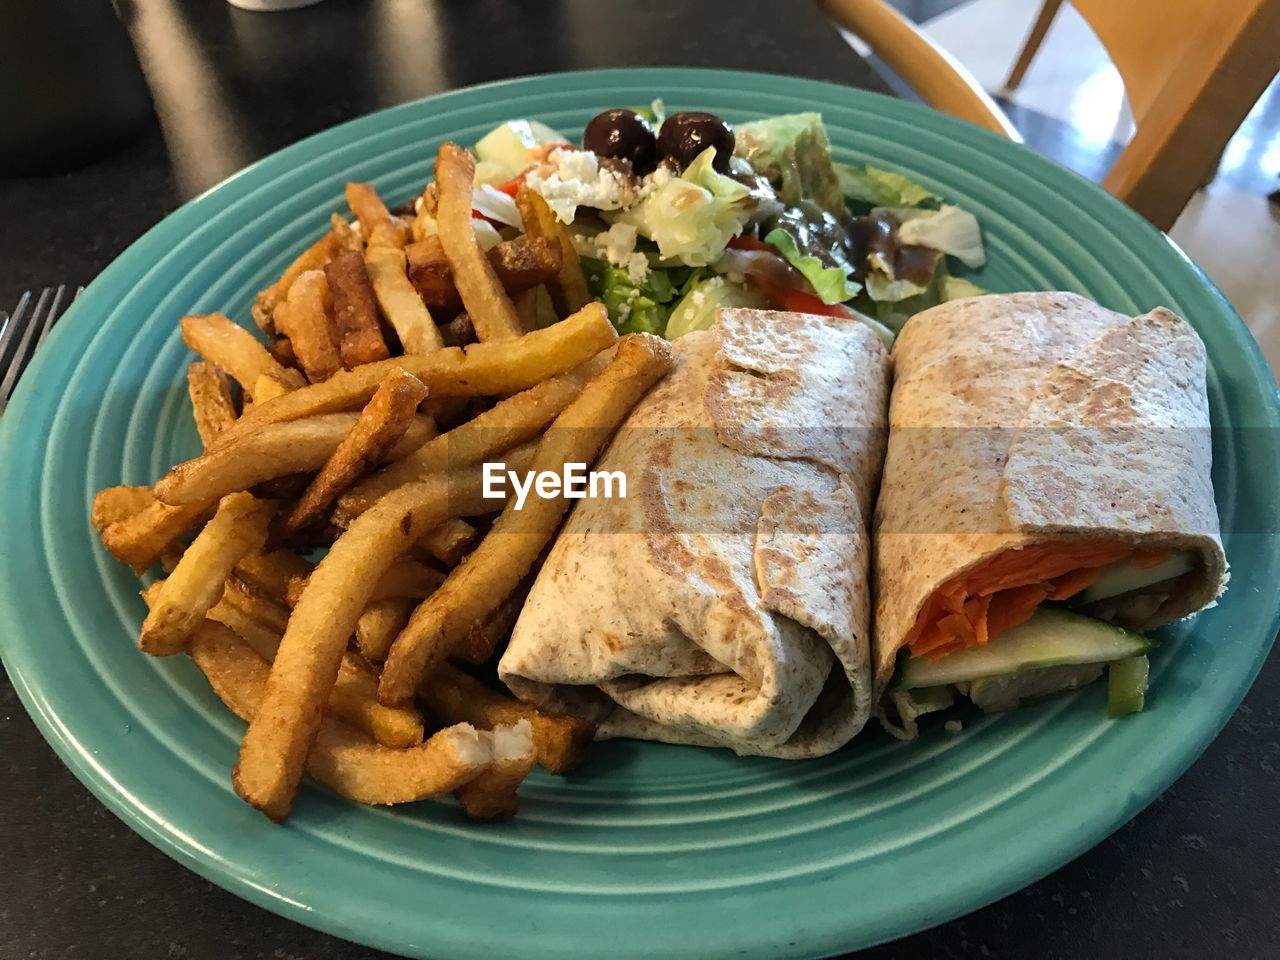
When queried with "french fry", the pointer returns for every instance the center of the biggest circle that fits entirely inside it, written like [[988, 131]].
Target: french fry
[[519, 264], [354, 697], [384, 421], [348, 237], [492, 795], [267, 574], [491, 571], [282, 350], [278, 450], [449, 542], [234, 349], [508, 423], [569, 288], [117, 503], [275, 747], [406, 578], [368, 207], [492, 312], [239, 527], [481, 369], [313, 258], [211, 403], [483, 637], [355, 309], [268, 388], [343, 759], [400, 302], [305, 318], [379, 624], [139, 540], [451, 696]]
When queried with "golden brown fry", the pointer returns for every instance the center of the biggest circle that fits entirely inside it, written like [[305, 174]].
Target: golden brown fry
[[368, 207], [234, 349], [305, 318], [492, 795], [211, 402], [267, 574], [508, 423], [569, 288], [405, 578], [379, 624], [117, 503], [491, 571], [344, 759], [527, 307], [519, 265], [282, 350], [277, 450], [313, 258], [354, 697], [400, 302], [348, 237], [355, 309], [485, 636], [275, 747], [450, 542], [492, 312], [139, 540], [383, 423], [238, 528], [481, 369], [451, 696]]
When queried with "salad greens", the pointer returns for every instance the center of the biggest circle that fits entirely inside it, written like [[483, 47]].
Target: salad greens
[[881, 188], [793, 152], [691, 217], [666, 242], [832, 284]]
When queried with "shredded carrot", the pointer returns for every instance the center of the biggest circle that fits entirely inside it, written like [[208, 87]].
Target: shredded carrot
[[1004, 592]]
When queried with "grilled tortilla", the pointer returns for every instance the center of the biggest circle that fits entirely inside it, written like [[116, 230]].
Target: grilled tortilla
[[1035, 439], [724, 601]]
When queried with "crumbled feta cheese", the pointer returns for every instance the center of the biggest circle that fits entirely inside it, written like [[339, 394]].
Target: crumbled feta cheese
[[953, 726], [661, 175], [574, 178], [617, 245]]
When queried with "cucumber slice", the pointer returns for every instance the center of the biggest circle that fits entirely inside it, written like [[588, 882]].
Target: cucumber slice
[[1123, 577], [1052, 637], [507, 147], [1127, 685]]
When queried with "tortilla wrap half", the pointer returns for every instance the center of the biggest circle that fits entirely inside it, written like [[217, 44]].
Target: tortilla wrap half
[[1040, 423], [725, 600]]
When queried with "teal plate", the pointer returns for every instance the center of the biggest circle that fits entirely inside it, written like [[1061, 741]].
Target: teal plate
[[650, 850]]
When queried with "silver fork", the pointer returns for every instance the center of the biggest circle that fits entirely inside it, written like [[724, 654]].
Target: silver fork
[[22, 332]]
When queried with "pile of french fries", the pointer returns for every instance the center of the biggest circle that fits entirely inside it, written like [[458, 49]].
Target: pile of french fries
[[403, 356]]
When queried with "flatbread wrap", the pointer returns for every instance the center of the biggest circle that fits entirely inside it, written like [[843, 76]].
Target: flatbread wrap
[[724, 601], [1042, 450]]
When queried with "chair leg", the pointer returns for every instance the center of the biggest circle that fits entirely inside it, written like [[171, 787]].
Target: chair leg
[[1044, 19]]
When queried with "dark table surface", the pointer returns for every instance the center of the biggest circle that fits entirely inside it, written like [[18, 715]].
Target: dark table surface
[[1193, 876]]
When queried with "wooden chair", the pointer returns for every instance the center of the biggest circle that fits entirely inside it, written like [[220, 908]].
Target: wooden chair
[[1191, 69]]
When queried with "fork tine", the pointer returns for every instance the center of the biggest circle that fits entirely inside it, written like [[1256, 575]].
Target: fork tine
[[18, 359], [55, 312], [16, 319]]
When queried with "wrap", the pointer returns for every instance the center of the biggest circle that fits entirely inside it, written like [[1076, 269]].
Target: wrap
[[1034, 438], [724, 601]]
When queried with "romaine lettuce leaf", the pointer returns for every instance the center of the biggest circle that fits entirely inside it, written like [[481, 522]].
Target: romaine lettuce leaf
[[693, 216], [881, 188], [832, 284], [793, 152], [949, 229]]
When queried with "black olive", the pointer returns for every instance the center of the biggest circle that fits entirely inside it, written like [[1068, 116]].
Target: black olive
[[685, 135], [622, 135]]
